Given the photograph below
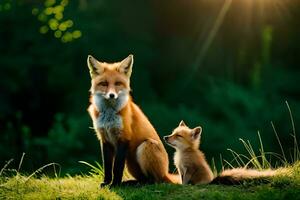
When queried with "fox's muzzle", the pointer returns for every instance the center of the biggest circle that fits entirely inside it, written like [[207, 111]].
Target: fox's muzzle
[[111, 95], [166, 138]]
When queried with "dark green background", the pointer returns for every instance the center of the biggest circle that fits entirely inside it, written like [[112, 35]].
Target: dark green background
[[228, 66]]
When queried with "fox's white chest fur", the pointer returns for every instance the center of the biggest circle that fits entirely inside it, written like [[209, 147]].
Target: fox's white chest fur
[[178, 162], [177, 158], [109, 120]]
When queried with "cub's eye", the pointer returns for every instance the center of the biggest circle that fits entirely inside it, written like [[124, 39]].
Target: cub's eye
[[179, 136], [103, 83], [118, 83]]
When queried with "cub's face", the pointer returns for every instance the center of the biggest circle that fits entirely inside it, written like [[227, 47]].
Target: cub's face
[[183, 137]]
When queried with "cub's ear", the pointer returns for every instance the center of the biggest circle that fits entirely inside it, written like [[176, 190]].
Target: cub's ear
[[94, 65], [182, 123], [196, 133], [126, 66]]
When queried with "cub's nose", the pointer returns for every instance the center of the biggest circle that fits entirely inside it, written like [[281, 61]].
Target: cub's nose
[[111, 95], [166, 138]]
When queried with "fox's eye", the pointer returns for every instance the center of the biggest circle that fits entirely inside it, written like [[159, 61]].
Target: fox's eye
[[179, 136], [118, 83], [103, 83]]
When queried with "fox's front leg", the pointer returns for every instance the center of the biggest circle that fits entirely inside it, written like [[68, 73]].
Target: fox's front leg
[[107, 158], [119, 164], [185, 176]]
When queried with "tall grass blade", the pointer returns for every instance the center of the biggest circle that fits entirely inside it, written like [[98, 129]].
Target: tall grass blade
[[265, 163], [228, 163], [40, 170], [213, 166], [95, 170], [237, 158], [5, 166], [222, 165], [278, 139], [255, 162], [21, 161], [296, 148]]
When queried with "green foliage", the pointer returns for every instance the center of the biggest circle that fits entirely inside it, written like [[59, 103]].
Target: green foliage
[[52, 16], [69, 136], [246, 74], [5, 5]]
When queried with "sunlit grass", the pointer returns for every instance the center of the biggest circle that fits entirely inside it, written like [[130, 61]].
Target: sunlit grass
[[78, 187], [285, 186]]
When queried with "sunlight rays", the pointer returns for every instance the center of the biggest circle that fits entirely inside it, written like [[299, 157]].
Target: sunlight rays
[[218, 22], [251, 15], [208, 41]]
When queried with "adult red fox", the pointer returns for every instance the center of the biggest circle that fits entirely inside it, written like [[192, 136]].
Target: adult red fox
[[193, 167], [125, 133]]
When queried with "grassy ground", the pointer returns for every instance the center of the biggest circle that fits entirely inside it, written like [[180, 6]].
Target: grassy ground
[[286, 186]]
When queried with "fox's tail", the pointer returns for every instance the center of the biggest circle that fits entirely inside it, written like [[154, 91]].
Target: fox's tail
[[238, 175], [174, 178]]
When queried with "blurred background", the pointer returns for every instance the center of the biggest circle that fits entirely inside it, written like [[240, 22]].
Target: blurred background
[[227, 65]]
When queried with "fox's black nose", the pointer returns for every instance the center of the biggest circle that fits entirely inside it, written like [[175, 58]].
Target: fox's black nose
[[112, 95]]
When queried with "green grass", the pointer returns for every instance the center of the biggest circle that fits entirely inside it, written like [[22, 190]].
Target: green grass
[[286, 186]]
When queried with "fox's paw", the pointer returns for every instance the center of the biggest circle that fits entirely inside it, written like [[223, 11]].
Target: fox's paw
[[103, 184]]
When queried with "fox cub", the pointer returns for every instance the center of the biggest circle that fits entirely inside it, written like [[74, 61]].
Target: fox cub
[[194, 169], [188, 159], [125, 133]]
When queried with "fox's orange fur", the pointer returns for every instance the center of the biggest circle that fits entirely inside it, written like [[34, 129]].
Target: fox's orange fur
[[189, 160], [146, 157]]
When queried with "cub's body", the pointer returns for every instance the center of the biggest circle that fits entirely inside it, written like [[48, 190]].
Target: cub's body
[[192, 166], [188, 159]]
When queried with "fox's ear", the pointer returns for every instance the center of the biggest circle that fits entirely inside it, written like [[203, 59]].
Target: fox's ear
[[182, 123], [94, 65], [126, 66], [196, 133]]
